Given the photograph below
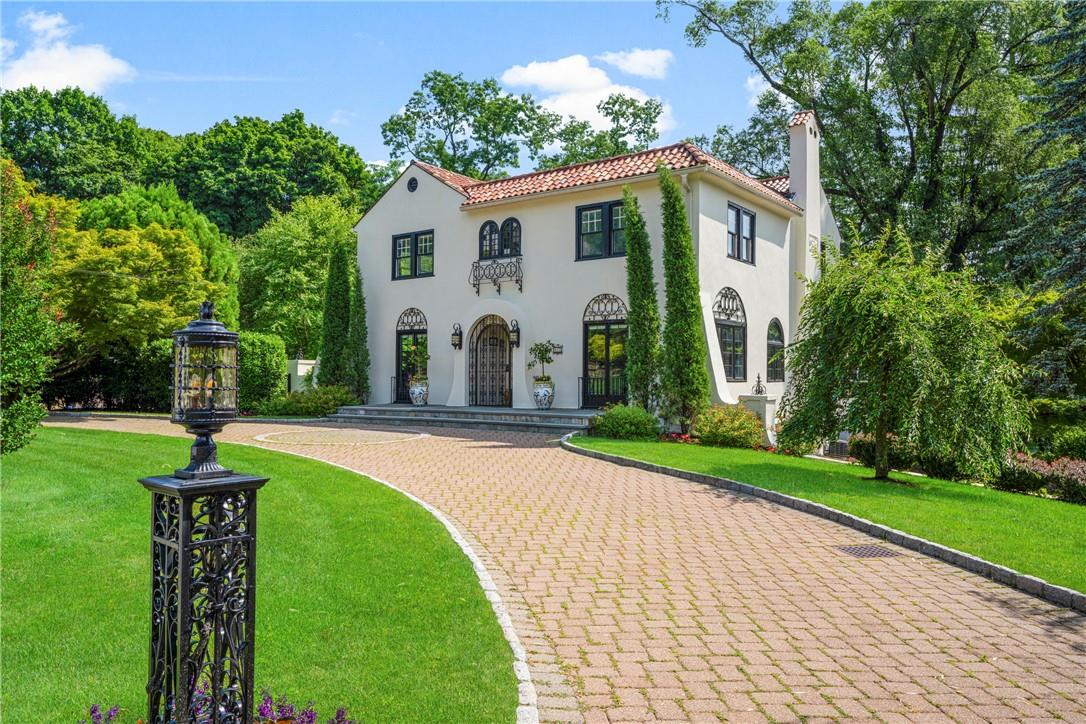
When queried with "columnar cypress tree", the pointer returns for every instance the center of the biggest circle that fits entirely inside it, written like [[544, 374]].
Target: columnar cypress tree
[[337, 316], [684, 378], [358, 352], [643, 343]]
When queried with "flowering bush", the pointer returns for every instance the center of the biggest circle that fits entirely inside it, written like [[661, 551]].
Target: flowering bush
[[729, 426], [273, 710], [681, 437], [1063, 478], [97, 717]]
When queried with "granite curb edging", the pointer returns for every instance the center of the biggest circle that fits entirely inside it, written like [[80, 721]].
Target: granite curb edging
[[1032, 585]]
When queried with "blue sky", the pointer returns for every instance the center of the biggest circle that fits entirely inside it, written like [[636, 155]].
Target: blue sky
[[184, 66]]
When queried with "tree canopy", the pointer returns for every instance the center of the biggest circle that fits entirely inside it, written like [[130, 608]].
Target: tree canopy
[[139, 206], [920, 105], [632, 128], [890, 345], [283, 271]]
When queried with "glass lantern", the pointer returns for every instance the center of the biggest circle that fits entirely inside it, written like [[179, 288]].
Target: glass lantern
[[205, 385]]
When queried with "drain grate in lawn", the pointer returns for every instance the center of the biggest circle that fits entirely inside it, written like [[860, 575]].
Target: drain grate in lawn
[[868, 551]]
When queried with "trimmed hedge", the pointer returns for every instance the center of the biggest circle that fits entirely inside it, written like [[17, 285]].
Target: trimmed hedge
[[728, 426], [1070, 443], [262, 369], [626, 422], [314, 402]]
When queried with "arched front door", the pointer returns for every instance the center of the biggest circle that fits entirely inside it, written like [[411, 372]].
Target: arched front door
[[410, 332], [490, 381]]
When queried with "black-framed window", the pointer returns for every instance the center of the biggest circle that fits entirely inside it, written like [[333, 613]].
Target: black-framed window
[[731, 331], [413, 255], [510, 237], [741, 230], [774, 347], [601, 230], [488, 240]]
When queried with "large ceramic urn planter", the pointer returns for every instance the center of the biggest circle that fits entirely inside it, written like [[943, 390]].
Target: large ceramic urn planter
[[419, 392], [543, 393]]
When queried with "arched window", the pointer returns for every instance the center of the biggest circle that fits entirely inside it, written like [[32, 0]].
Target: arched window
[[604, 351], [488, 240], [731, 331], [510, 237], [774, 349], [411, 320]]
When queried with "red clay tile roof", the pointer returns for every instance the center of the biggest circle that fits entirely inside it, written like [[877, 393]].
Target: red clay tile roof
[[776, 183], [801, 117], [677, 157], [457, 181]]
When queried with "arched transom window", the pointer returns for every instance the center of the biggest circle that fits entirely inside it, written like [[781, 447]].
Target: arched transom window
[[605, 308], [731, 331], [411, 320], [774, 349]]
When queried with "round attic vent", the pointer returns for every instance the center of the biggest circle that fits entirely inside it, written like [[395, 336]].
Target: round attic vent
[[412, 184]]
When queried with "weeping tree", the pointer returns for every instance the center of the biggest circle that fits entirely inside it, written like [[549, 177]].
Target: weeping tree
[[684, 378], [892, 346], [643, 341], [337, 318]]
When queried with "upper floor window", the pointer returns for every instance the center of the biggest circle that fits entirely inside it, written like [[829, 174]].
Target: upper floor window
[[488, 240], [601, 230], [740, 233], [413, 255], [510, 237], [495, 243], [775, 352]]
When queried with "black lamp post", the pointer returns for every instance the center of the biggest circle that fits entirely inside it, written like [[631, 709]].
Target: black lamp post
[[203, 547]]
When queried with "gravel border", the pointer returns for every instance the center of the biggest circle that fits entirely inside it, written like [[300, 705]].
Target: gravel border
[[1001, 574]]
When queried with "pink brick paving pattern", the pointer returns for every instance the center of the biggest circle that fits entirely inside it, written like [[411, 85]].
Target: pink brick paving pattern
[[641, 597]]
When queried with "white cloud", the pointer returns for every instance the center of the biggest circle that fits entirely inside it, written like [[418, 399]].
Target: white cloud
[[52, 63], [341, 117], [574, 87], [640, 62]]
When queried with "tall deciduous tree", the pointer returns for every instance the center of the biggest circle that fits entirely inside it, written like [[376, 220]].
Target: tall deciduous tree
[[283, 272], [31, 327], [72, 145], [632, 128], [358, 351], [643, 341], [473, 128], [336, 322], [685, 378], [238, 172], [160, 204], [919, 103], [892, 346], [1048, 251]]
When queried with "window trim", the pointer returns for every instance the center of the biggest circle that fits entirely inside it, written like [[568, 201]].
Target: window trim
[[501, 238], [414, 236], [497, 229], [606, 221], [741, 211], [770, 352]]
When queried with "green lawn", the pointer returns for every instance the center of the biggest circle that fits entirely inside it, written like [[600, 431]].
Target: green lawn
[[1043, 538], [363, 598]]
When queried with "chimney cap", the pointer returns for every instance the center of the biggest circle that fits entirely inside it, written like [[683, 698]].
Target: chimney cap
[[801, 118]]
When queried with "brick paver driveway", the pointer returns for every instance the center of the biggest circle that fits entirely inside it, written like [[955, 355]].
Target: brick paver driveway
[[641, 597]]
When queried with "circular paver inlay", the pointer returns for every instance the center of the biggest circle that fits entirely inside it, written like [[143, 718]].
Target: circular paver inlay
[[338, 437]]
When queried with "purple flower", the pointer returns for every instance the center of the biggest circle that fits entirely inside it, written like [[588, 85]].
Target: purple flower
[[341, 717], [267, 705], [284, 708], [112, 713], [307, 716], [96, 714]]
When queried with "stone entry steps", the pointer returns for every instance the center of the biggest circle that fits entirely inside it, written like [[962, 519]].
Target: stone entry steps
[[478, 418]]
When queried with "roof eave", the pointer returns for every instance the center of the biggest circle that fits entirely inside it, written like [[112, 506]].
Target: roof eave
[[570, 189], [767, 195]]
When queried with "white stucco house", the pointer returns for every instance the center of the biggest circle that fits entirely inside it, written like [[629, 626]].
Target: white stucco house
[[542, 256]]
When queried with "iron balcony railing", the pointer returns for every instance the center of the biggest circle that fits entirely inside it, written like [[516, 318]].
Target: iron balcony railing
[[496, 271]]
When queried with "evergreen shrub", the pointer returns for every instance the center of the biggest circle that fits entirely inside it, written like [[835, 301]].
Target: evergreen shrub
[[728, 426], [626, 422]]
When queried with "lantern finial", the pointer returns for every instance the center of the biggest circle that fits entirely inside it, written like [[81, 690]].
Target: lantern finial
[[207, 310]]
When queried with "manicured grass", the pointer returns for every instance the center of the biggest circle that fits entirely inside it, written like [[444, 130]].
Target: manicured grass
[[1044, 538], [363, 598]]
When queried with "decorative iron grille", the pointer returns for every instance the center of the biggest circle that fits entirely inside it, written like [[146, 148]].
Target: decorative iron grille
[[490, 378], [728, 307], [497, 271], [605, 308], [412, 319]]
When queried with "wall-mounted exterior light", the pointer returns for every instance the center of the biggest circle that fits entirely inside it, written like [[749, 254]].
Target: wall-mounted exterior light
[[457, 336], [514, 334]]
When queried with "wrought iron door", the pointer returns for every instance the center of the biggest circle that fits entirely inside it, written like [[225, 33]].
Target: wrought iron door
[[490, 380]]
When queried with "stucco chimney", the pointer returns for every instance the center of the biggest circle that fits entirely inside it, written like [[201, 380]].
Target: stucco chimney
[[805, 184]]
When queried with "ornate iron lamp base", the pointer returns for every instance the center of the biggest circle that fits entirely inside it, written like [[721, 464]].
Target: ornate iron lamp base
[[203, 596]]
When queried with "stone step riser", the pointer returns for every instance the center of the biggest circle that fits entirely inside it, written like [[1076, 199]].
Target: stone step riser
[[576, 421], [474, 424]]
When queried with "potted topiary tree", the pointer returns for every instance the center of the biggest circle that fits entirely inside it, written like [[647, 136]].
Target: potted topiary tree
[[418, 385], [542, 354]]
